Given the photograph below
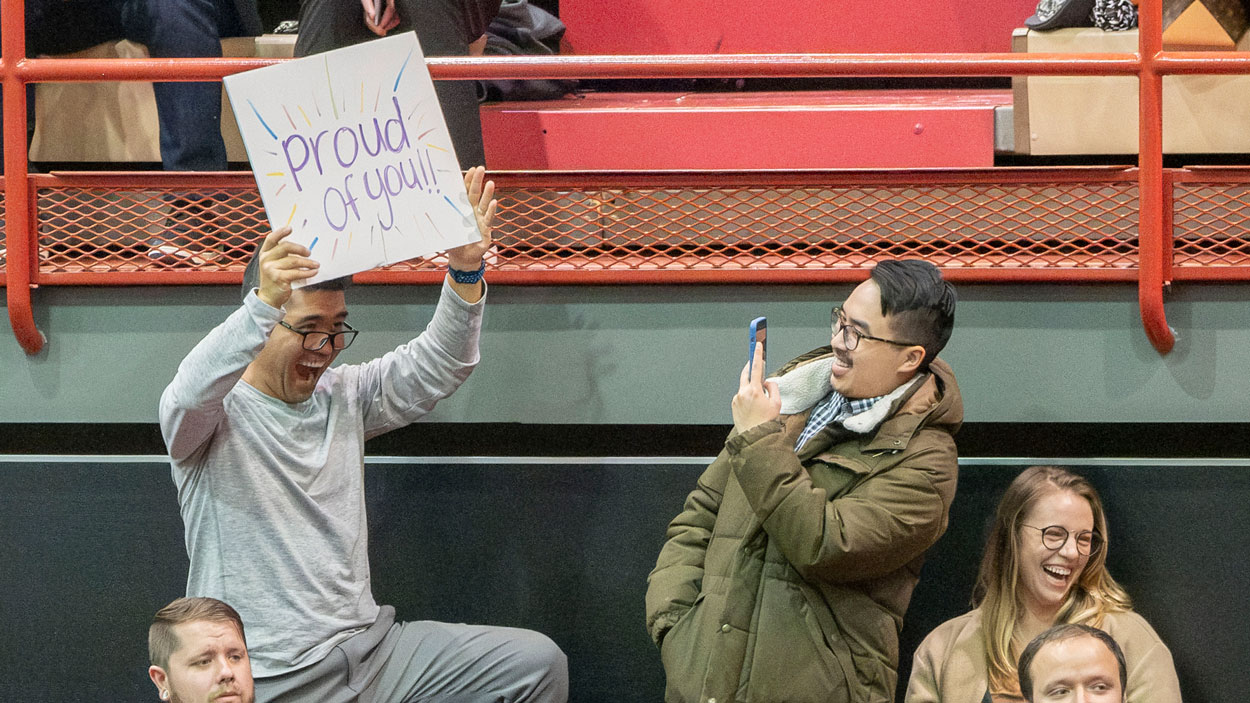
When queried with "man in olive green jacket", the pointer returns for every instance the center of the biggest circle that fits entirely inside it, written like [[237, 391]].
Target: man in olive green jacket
[[786, 576]]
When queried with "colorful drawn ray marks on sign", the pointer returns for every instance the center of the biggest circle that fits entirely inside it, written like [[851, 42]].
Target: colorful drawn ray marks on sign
[[364, 164]]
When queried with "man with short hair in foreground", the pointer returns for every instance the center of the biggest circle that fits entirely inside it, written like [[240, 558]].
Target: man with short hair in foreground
[[199, 654], [1073, 663], [787, 575], [267, 441]]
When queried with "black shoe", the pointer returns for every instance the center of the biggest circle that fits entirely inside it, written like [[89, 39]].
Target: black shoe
[[178, 251], [188, 224], [1058, 14]]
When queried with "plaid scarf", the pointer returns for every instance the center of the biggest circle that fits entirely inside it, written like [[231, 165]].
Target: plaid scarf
[[833, 408]]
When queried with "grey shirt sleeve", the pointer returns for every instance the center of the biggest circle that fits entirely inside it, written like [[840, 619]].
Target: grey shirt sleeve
[[401, 386], [192, 405]]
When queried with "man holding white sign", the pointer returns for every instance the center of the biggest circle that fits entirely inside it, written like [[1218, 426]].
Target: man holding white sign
[[267, 445]]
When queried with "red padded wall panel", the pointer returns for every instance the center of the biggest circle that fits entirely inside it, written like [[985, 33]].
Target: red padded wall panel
[[790, 26]]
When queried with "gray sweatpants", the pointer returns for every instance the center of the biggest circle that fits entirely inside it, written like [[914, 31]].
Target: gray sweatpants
[[413, 662]]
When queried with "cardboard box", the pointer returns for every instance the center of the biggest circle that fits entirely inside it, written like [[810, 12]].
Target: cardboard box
[[102, 122], [1098, 115]]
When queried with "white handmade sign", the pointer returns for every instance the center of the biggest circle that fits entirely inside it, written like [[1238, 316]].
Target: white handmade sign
[[350, 149]]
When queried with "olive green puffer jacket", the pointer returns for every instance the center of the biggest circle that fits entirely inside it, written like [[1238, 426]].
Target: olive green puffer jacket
[[786, 577]]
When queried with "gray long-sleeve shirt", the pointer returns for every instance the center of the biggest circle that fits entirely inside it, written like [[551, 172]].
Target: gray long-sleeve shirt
[[272, 494]]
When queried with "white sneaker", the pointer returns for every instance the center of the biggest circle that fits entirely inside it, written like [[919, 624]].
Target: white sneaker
[[177, 253]]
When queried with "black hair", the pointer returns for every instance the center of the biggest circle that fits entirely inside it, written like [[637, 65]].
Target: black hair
[[1066, 632], [251, 278], [921, 305]]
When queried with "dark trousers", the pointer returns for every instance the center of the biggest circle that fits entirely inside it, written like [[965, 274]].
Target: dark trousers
[[189, 113], [444, 28]]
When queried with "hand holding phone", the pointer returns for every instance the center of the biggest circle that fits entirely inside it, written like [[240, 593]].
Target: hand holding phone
[[757, 400], [757, 334]]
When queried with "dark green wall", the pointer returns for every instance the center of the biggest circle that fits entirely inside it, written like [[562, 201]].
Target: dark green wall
[[92, 549]]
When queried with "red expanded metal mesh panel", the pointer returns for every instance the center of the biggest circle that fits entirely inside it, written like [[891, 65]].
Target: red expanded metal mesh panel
[[1211, 224], [126, 229], [1075, 225], [1070, 225]]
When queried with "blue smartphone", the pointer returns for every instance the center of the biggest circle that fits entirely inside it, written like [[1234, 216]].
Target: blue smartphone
[[758, 335]]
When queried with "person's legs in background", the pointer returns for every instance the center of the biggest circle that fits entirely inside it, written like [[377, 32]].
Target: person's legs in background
[[63, 27], [444, 28], [330, 24], [447, 28], [189, 113]]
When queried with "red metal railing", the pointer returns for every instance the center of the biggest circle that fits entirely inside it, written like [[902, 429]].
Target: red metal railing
[[685, 227], [1150, 222]]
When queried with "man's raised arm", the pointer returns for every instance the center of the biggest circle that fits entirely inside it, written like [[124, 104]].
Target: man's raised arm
[[191, 406], [403, 385]]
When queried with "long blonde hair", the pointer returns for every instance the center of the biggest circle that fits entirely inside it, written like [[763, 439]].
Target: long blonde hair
[[1094, 595]]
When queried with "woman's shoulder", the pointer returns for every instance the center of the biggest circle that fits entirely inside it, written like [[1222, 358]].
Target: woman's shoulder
[[1129, 626], [1151, 671], [950, 664], [954, 631]]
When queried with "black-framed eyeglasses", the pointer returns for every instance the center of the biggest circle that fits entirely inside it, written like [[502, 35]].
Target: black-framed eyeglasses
[[1055, 536], [851, 336], [314, 340]]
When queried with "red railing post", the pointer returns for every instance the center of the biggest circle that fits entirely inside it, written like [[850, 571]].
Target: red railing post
[[19, 216], [1150, 219]]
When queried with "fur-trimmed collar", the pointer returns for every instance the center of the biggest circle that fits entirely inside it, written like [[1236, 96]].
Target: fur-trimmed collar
[[807, 384]]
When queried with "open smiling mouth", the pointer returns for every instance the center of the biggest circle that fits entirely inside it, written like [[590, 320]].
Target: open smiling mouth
[[1058, 573], [840, 363], [308, 370]]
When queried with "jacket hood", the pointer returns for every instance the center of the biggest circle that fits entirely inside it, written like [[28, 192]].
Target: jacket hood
[[933, 397]]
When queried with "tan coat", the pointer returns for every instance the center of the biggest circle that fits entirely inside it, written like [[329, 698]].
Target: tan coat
[[786, 577], [950, 665]]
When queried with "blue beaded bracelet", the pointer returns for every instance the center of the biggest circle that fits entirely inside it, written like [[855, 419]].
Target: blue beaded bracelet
[[467, 277]]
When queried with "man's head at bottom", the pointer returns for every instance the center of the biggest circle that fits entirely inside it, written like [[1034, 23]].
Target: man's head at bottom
[[1073, 664], [199, 653]]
